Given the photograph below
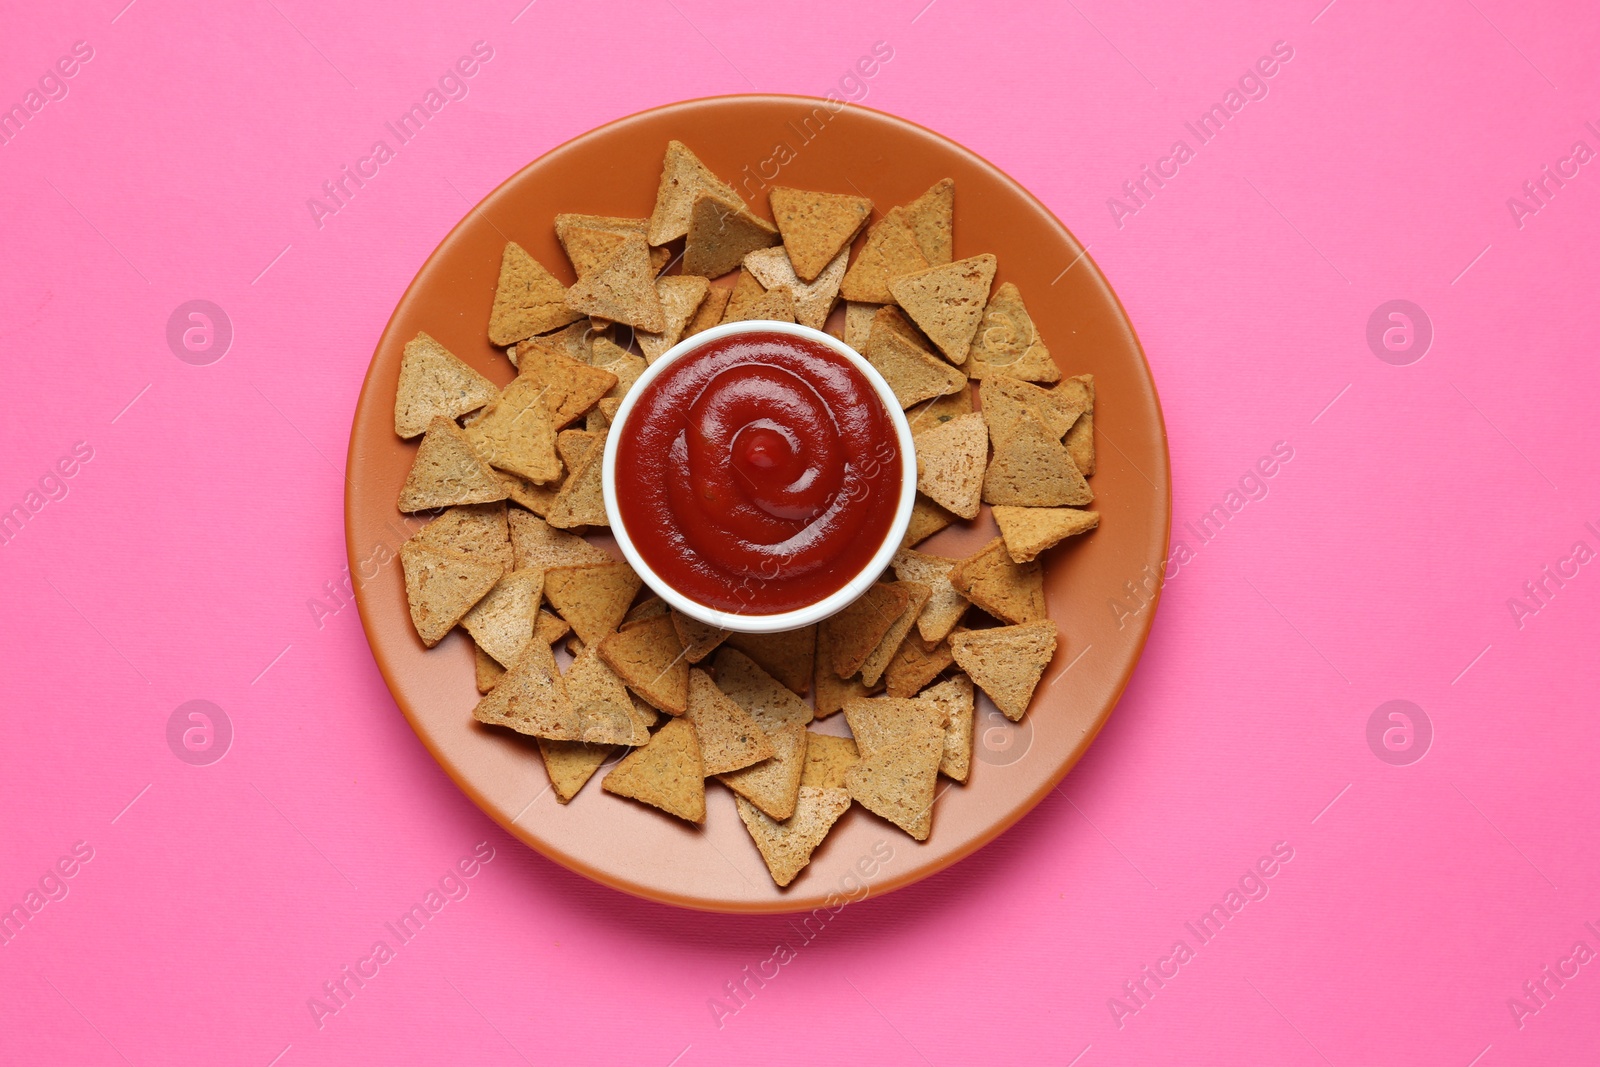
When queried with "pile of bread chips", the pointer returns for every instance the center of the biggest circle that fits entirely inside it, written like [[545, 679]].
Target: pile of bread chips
[[516, 472]]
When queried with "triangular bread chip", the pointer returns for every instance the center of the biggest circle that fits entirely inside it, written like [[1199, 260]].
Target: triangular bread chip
[[1077, 391], [683, 179], [664, 773], [1031, 468], [787, 846], [517, 433], [915, 665], [576, 340], [912, 372], [1029, 531], [646, 715], [891, 250], [773, 785], [681, 295], [502, 622], [649, 657], [590, 240], [532, 699], [729, 738], [628, 367], [721, 234], [1080, 439], [486, 672], [446, 472], [768, 701], [569, 388], [954, 695], [602, 703], [535, 544], [573, 445], [711, 310], [476, 530], [947, 302], [1007, 342], [536, 498], [581, 501], [776, 305], [1005, 400], [593, 598], [788, 656], [927, 519], [827, 758], [549, 628], [605, 243], [1006, 662], [1004, 588], [855, 632], [603, 351], [945, 606], [441, 587], [872, 667], [623, 290], [812, 300], [745, 294], [898, 782], [950, 463], [699, 639], [832, 691], [930, 218], [892, 317], [570, 764], [940, 410], [816, 227], [434, 382], [883, 722], [528, 299], [645, 609], [1080, 443], [590, 249], [858, 323]]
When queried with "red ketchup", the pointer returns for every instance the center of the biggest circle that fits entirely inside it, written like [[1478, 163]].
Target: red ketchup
[[758, 474]]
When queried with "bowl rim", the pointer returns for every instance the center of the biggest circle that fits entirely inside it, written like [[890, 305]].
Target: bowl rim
[[858, 583]]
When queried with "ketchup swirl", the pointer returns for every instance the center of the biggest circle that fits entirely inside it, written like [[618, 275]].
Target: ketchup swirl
[[759, 473]]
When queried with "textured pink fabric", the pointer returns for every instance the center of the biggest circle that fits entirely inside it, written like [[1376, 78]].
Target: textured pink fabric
[[1384, 159]]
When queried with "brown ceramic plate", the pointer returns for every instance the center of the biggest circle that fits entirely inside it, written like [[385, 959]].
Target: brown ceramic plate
[[755, 142]]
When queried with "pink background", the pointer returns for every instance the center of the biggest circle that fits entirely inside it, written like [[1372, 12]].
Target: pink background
[[180, 563]]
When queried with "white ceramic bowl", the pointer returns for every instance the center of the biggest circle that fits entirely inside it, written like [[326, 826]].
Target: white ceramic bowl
[[858, 583]]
